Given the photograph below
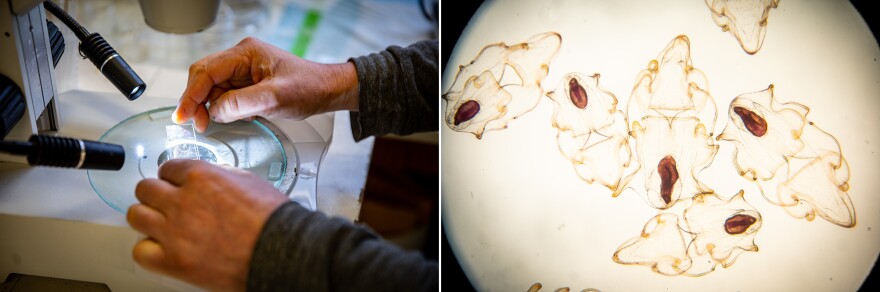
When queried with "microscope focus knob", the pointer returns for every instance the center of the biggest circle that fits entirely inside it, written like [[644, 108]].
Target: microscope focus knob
[[56, 39], [11, 105]]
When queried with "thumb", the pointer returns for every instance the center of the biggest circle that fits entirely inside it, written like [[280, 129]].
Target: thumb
[[151, 255], [236, 104]]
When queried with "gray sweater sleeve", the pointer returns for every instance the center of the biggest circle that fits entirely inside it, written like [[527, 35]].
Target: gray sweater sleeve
[[398, 91], [300, 250]]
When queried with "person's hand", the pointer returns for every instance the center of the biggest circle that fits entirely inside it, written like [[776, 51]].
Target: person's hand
[[257, 79], [202, 222]]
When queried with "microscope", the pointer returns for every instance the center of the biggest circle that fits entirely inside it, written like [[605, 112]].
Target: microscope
[[30, 49], [68, 224]]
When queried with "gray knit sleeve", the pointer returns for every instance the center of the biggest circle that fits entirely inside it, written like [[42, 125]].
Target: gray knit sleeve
[[398, 91], [300, 250]]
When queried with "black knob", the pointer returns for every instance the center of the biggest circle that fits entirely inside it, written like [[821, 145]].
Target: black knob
[[56, 39], [11, 105]]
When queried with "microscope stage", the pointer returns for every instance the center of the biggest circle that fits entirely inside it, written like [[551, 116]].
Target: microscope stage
[[150, 138]]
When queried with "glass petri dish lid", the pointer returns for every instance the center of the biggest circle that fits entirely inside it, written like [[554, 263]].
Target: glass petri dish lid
[[151, 138]]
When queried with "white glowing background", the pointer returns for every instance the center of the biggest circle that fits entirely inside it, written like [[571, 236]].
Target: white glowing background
[[516, 213]]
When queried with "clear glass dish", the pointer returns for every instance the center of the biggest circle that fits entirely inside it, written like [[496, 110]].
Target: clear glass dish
[[151, 138]]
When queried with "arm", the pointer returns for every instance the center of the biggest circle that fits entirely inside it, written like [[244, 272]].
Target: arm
[[393, 91], [306, 251], [398, 91], [216, 228], [299, 250], [227, 229]]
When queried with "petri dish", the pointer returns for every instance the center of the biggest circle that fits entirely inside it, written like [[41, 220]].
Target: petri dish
[[150, 138]]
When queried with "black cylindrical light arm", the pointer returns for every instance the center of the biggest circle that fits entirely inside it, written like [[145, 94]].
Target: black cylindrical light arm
[[105, 58], [112, 66], [75, 153]]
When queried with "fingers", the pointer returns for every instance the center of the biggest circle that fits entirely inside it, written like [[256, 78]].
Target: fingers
[[204, 74], [156, 193], [236, 104], [177, 171], [195, 95], [201, 119], [216, 92], [234, 169], [146, 220], [149, 254]]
